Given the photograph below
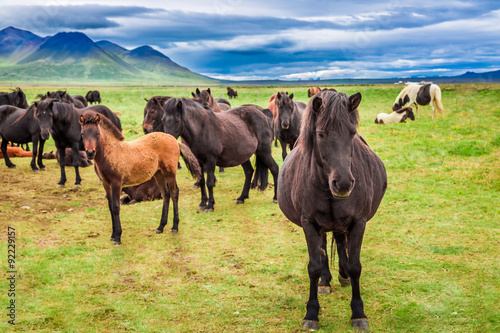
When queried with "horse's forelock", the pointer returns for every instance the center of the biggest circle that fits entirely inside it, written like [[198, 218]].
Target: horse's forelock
[[333, 114]]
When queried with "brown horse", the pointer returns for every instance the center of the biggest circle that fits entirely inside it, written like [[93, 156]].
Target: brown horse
[[332, 181], [205, 98], [119, 163], [17, 152], [313, 91]]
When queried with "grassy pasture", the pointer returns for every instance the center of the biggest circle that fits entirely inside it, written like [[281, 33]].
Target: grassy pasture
[[430, 256]]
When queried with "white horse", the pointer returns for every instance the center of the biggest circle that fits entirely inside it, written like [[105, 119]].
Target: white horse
[[399, 116], [420, 95]]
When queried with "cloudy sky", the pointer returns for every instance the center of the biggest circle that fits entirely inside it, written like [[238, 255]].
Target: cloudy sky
[[292, 39]]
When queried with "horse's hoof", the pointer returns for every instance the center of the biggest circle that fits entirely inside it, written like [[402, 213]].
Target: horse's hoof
[[360, 323], [111, 239], [36, 170], [239, 202], [158, 231], [60, 186], [44, 169], [324, 290], [275, 201], [344, 282], [116, 243], [195, 186], [77, 186], [174, 231], [311, 325], [202, 207], [221, 171], [13, 167], [209, 210]]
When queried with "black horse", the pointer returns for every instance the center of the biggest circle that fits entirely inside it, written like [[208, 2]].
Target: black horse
[[15, 98], [231, 93], [153, 113], [287, 124], [81, 99], [63, 96], [20, 126], [225, 139], [93, 96], [332, 181], [61, 120]]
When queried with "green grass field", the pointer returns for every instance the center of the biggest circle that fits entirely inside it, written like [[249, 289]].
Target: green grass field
[[430, 255]]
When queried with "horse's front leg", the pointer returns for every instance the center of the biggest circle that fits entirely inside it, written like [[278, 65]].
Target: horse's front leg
[[174, 194], [76, 163], [210, 185], [62, 164], [283, 148], [5, 156], [35, 150], [324, 283], [40, 153], [248, 169], [314, 268], [113, 197], [165, 194], [355, 238], [203, 190]]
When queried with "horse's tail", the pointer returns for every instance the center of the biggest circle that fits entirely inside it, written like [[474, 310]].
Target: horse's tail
[[261, 175], [437, 99], [190, 160]]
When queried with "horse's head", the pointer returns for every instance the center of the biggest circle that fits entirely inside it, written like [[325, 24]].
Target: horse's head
[[44, 115], [90, 131], [205, 98], [153, 111], [330, 126], [172, 118], [408, 113], [286, 107]]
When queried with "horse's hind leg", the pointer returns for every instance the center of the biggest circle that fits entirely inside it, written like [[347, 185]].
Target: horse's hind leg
[[165, 194], [62, 164], [267, 158], [174, 194], [343, 276], [76, 164], [210, 186], [324, 283], [204, 198], [248, 169]]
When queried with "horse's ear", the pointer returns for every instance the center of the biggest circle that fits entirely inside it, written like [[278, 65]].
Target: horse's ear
[[180, 107], [147, 100], [36, 104], [192, 94], [291, 96], [197, 91], [278, 96], [97, 119], [354, 101], [81, 120], [316, 104], [286, 92], [209, 91]]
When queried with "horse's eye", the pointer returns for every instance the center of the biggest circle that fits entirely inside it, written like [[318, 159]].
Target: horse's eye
[[321, 135]]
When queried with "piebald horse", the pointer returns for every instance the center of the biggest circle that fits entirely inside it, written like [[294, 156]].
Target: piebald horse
[[420, 95]]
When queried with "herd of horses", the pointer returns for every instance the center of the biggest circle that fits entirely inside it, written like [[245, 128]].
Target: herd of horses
[[331, 181]]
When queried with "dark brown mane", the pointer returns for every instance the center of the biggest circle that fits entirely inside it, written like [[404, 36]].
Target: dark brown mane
[[29, 110], [333, 114], [89, 117]]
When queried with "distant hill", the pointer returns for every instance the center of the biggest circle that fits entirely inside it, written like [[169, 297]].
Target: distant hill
[[73, 56], [485, 75]]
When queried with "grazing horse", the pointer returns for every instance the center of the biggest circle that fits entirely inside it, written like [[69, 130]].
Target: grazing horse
[[15, 98], [420, 95], [20, 126], [232, 93], [225, 139], [120, 164], [399, 116], [313, 91], [287, 124], [93, 96], [332, 181]]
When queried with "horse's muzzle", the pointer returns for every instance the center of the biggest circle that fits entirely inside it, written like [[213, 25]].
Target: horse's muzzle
[[45, 135], [147, 129], [285, 126], [90, 154], [341, 189]]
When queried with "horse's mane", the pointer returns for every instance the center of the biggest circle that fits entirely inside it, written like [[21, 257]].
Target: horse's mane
[[29, 110], [333, 114], [89, 117]]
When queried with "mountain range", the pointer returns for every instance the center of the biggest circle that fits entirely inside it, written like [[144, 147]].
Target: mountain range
[[73, 56]]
